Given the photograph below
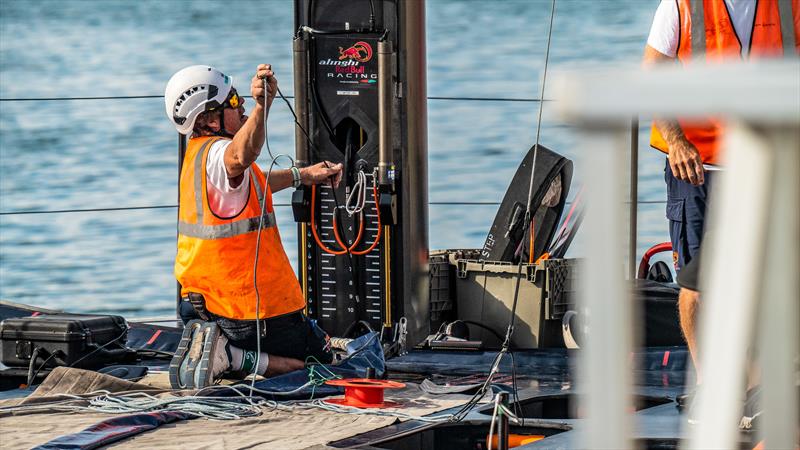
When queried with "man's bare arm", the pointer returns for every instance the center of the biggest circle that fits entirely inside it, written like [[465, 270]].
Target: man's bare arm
[[684, 159], [246, 144], [669, 129], [319, 173]]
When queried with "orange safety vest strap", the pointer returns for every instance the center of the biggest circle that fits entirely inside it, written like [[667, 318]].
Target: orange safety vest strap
[[199, 188], [198, 179]]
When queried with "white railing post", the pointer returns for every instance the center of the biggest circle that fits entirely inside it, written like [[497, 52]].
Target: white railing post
[[729, 279], [749, 274], [606, 376], [779, 333]]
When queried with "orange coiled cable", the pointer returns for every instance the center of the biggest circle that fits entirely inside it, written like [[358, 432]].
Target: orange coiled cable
[[358, 237], [338, 238], [314, 227]]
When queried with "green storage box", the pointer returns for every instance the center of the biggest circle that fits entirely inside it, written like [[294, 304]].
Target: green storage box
[[485, 295]]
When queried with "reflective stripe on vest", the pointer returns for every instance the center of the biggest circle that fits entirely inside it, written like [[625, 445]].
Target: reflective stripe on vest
[[789, 26], [698, 28], [225, 230], [707, 34]]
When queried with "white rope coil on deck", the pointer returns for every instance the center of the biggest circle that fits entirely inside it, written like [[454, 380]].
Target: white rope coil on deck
[[212, 408]]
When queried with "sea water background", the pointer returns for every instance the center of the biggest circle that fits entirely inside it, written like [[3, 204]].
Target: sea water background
[[84, 154]]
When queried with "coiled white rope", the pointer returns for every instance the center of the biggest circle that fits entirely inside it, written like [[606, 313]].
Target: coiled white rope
[[357, 198], [210, 407], [213, 408], [198, 405]]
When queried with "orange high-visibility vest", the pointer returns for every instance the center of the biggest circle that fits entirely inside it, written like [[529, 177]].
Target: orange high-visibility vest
[[775, 33], [215, 254]]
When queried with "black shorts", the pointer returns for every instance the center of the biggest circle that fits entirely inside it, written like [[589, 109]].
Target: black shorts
[[687, 277], [293, 335]]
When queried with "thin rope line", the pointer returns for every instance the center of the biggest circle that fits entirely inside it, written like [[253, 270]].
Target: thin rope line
[[492, 99], [134, 97], [539, 121], [506, 346], [544, 76], [134, 208], [59, 211], [116, 97]]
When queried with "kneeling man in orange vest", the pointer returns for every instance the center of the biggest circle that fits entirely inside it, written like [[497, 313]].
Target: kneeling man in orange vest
[[239, 305]]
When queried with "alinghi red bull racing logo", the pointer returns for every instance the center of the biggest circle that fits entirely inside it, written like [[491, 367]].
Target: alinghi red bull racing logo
[[360, 51]]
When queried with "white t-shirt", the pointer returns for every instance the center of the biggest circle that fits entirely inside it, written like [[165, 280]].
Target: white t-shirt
[[224, 200], [665, 32]]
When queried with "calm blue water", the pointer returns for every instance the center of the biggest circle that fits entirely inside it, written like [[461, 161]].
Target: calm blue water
[[113, 153]]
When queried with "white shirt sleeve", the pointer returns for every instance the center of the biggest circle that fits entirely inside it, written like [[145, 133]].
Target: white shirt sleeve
[[665, 32], [223, 199]]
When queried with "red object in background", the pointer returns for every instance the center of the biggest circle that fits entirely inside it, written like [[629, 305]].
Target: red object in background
[[364, 392], [644, 264]]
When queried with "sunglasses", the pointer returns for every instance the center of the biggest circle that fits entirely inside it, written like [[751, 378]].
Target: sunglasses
[[233, 101]]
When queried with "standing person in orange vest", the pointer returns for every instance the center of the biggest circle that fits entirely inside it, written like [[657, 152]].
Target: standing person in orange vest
[[222, 190], [710, 31]]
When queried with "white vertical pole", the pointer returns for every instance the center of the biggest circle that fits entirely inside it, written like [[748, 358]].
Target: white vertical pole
[[729, 285], [605, 371], [779, 338]]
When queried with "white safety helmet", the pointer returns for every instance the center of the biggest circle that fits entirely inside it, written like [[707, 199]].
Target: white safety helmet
[[190, 90]]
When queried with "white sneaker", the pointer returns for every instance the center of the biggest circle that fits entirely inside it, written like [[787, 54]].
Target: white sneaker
[[220, 361], [201, 357]]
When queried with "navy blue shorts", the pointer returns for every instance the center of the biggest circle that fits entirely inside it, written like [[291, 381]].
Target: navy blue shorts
[[686, 212]]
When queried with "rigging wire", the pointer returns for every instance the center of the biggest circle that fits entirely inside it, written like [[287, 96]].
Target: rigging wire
[[137, 208], [506, 346], [134, 97], [263, 209], [528, 222]]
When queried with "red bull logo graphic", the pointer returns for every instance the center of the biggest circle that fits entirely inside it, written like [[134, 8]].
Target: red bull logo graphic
[[360, 51], [349, 69]]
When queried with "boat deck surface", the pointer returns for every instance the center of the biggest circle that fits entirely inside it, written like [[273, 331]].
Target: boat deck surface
[[545, 386]]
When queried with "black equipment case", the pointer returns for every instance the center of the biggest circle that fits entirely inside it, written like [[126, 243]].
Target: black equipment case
[[86, 341]]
